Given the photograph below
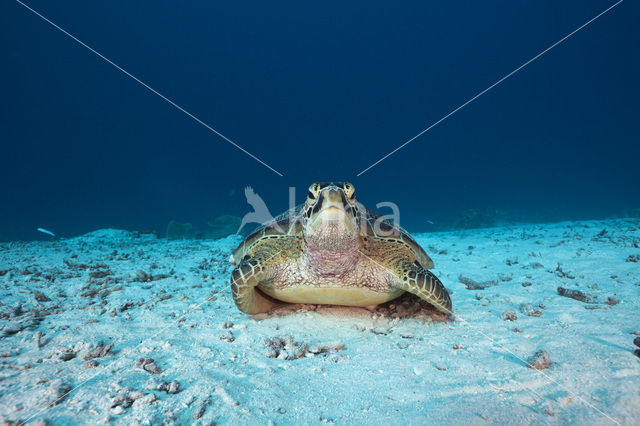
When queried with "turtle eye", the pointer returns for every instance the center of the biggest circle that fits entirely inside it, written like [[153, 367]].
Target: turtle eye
[[313, 191], [349, 191], [312, 194]]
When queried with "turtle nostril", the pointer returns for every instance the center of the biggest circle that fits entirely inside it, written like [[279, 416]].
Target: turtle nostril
[[334, 196]]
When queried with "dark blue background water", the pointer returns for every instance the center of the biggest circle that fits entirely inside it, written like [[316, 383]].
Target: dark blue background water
[[319, 92]]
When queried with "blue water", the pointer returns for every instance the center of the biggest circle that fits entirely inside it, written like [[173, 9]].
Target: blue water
[[318, 92]]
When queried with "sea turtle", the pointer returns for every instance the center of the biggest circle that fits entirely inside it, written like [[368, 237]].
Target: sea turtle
[[331, 250]]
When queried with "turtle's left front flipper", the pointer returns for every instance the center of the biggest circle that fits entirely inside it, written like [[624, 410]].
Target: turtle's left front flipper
[[424, 284], [406, 265]]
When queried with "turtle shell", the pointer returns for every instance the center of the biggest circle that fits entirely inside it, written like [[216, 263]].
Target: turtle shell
[[275, 228], [387, 229]]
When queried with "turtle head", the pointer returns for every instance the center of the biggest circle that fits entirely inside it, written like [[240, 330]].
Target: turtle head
[[330, 218]]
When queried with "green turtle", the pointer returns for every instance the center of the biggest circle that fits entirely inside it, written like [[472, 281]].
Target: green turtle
[[331, 250]]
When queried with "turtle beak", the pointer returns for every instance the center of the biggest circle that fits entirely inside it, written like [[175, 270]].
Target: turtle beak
[[333, 199], [331, 209], [333, 205]]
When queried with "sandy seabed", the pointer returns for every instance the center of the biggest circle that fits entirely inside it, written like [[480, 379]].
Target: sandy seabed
[[125, 328]]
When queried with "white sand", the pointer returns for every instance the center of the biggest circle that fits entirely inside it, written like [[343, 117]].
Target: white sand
[[401, 364]]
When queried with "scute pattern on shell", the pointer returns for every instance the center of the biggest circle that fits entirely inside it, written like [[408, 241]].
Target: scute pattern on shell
[[280, 225], [397, 233]]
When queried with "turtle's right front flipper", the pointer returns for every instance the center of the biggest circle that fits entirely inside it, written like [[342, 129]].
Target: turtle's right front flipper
[[257, 261], [245, 279]]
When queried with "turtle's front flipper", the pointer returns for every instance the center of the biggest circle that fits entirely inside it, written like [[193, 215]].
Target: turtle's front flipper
[[399, 259], [424, 284], [245, 279]]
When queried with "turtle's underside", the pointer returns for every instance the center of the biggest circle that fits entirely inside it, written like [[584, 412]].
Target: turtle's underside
[[331, 250]]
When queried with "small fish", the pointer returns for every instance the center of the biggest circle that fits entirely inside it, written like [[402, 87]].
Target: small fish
[[44, 231], [430, 222]]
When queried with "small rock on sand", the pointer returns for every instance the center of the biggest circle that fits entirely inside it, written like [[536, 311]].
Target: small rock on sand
[[13, 329], [227, 337], [40, 296], [170, 388], [99, 351], [509, 315], [148, 364], [145, 400], [475, 285], [529, 310], [58, 390], [539, 360], [576, 294], [612, 301], [285, 347]]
